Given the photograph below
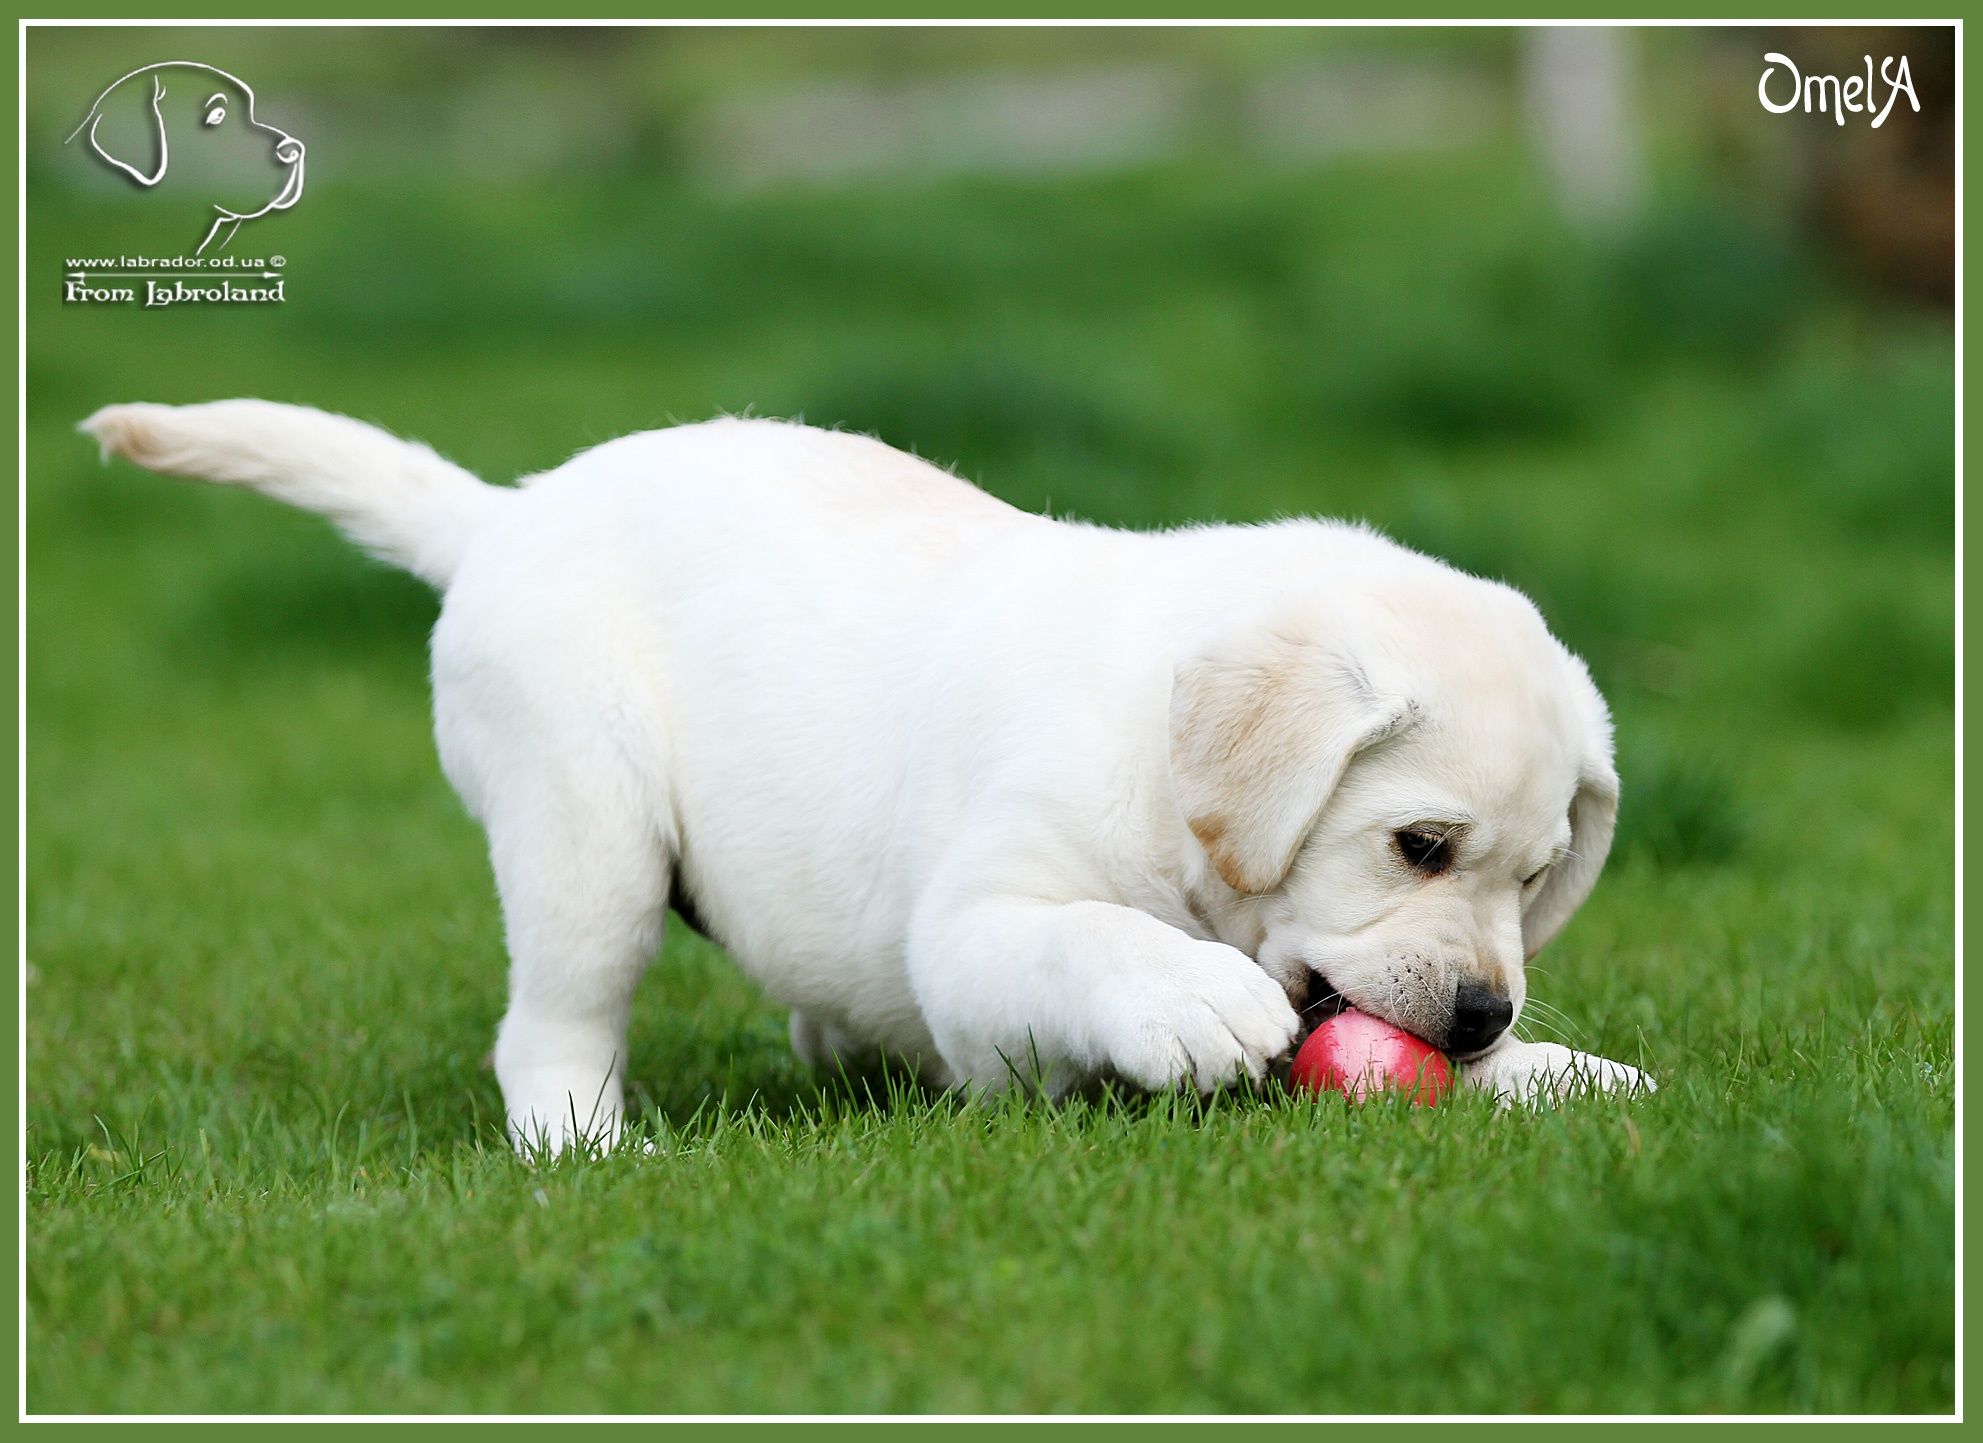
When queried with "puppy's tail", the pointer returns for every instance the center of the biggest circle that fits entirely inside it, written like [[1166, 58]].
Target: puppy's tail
[[395, 498]]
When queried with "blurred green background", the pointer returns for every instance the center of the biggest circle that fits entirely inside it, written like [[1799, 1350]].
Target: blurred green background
[[1567, 308]]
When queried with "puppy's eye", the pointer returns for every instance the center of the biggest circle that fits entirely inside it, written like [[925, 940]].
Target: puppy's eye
[[216, 115], [1426, 852], [1534, 877]]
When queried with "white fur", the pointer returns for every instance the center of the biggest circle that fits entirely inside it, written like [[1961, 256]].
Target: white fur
[[1005, 796]]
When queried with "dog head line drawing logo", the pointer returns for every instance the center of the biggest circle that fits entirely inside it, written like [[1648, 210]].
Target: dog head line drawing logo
[[200, 112]]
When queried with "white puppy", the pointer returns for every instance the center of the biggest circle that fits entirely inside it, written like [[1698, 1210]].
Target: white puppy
[[1006, 796]]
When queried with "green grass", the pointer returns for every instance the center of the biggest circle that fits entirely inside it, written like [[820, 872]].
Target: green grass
[[266, 1170]]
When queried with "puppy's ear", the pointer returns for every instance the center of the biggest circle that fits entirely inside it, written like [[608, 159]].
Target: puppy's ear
[[1593, 819], [1260, 734], [127, 128]]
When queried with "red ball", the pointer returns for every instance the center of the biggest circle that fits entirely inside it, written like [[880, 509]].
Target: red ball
[[1357, 1055]]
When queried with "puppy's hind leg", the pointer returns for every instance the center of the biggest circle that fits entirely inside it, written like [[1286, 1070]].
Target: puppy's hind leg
[[823, 1046], [584, 891], [830, 1050], [582, 864], [544, 733]]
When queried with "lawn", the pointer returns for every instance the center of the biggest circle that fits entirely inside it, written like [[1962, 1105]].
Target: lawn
[[266, 1170]]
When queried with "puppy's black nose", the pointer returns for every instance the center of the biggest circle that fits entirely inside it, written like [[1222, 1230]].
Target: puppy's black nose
[[1479, 1016]]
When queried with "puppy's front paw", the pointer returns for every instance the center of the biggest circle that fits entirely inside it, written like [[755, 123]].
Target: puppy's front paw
[[1541, 1074], [1207, 1020]]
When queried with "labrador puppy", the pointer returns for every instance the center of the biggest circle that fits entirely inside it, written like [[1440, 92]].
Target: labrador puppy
[[223, 148], [1011, 798]]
